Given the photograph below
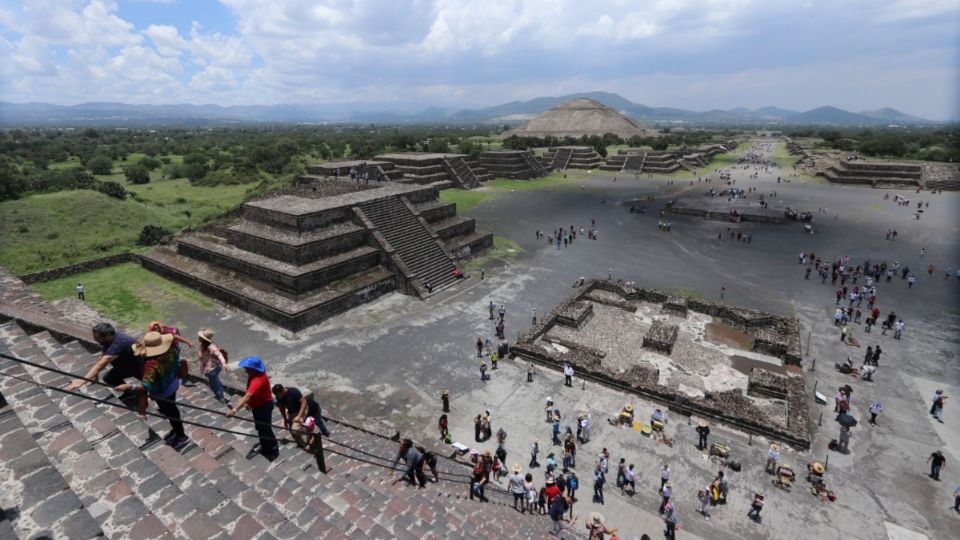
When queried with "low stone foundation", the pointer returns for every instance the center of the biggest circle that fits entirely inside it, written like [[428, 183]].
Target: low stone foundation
[[766, 403]]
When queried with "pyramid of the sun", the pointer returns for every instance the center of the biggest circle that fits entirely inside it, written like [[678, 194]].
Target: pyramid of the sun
[[581, 117]]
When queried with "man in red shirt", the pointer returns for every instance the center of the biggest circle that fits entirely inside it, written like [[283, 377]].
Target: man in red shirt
[[260, 400], [552, 491]]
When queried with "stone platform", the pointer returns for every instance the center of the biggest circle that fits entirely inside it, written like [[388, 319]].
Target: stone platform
[[298, 258], [460, 170], [571, 157], [517, 164], [720, 208], [738, 366]]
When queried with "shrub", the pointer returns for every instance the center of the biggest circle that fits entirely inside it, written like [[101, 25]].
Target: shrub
[[149, 163], [100, 164], [137, 174], [112, 189], [152, 235]]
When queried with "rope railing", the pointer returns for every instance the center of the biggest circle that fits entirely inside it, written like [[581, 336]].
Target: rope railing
[[448, 475]]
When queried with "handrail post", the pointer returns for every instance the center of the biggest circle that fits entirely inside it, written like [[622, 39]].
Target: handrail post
[[318, 454]]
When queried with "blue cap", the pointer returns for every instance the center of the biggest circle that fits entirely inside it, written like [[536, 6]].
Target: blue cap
[[254, 363]]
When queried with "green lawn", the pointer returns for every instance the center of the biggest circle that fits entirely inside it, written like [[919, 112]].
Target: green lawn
[[55, 229], [128, 294], [467, 199]]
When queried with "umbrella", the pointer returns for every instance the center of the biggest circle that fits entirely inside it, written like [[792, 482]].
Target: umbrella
[[845, 419]]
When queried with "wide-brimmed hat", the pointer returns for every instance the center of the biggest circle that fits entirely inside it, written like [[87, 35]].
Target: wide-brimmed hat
[[818, 468], [702, 423], [153, 344], [517, 468], [551, 481], [446, 392], [628, 407], [596, 517], [206, 334], [775, 447], [487, 453], [254, 363]]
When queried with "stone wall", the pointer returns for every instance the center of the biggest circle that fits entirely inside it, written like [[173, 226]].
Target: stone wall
[[299, 254], [79, 268], [731, 407]]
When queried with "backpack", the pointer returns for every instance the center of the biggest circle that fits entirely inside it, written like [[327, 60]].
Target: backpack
[[572, 483]]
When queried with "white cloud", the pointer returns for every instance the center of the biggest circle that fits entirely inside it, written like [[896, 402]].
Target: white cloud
[[690, 53]]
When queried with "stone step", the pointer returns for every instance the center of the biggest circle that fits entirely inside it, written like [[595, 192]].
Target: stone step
[[187, 470], [285, 276], [293, 313], [121, 439], [118, 511]]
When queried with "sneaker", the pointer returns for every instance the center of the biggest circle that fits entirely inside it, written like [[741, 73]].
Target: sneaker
[[170, 435], [178, 441]]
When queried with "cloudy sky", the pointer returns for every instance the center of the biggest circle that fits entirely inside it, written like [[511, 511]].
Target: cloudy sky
[[798, 54]]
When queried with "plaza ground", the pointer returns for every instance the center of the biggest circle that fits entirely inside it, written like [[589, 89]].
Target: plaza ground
[[386, 363]]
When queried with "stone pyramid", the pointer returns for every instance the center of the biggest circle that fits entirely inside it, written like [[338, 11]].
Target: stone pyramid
[[581, 117]]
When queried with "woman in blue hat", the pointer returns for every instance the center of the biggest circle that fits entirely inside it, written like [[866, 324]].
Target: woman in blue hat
[[260, 400]]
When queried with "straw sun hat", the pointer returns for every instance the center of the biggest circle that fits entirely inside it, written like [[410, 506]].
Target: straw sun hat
[[153, 344]]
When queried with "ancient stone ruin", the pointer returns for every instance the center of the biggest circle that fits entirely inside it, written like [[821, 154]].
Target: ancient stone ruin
[[581, 117], [643, 160], [442, 170], [875, 173], [330, 245], [571, 157], [517, 164], [735, 365]]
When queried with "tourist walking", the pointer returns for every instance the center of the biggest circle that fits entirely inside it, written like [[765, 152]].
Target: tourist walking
[[160, 382], [557, 511], [117, 352], [956, 499], [596, 528], [80, 291], [937, 462], [445, 400], [876, 409], [479, 347], [672, 519], [260, 401], [515, 483], [704, 496], [664, 475], [665, 492], [295, 408], [534, 452], [413, 459], [703, 430], [936, 409], [568, 375], [212, 362], [599, 478], [756, 506]]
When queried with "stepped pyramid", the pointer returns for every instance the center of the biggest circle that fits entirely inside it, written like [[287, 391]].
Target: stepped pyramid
[[581, 117], [74, 468]]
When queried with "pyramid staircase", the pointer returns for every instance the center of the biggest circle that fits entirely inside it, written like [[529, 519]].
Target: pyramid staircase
[[561, 158], [534, 164], [412, 240], [460, 172], [634, 162], [76, 468]]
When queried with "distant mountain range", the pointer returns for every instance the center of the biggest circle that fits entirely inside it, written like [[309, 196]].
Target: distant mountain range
[[45, 114]]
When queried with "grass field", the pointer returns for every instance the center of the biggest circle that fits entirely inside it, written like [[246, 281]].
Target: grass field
[[467, 199], [55, 229], [128, 294]]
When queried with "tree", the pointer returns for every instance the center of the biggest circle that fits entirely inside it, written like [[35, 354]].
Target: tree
[[12, 182], [152, 235], [149, 163], [137, 174], [112, 189], [100, 164]]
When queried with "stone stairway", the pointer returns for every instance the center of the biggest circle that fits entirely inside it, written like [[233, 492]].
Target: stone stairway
[[534, 164], [634, 162], [83, 469], [413, 243], [459, 170], [561, 158]]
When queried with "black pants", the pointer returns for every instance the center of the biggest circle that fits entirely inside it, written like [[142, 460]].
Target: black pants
[[263, 415], [169, 409], [569, 380], [118, 373], [703, 442]]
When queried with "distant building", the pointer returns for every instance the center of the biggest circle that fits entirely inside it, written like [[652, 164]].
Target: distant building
[[581, 117]]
